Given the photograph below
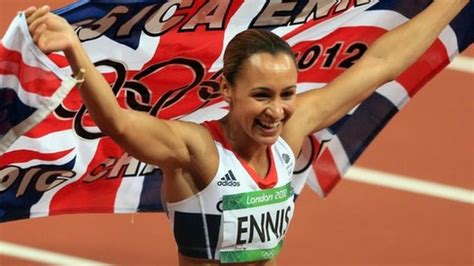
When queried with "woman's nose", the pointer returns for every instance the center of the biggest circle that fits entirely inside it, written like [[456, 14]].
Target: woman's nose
[[275, 111]]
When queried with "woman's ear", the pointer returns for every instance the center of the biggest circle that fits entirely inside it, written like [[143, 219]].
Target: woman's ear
[[226, 90]]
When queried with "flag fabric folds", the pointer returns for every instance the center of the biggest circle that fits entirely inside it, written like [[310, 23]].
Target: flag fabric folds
[[31, 85], [165, 58]]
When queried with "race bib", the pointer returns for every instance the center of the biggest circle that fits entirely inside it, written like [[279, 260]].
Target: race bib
[[255, 224]]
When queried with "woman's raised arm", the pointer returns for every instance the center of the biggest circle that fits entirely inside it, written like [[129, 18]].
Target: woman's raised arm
[[145, 137], [385, 59]]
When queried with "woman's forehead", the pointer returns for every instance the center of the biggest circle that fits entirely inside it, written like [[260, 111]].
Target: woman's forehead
[[263, 64], [267, 70]]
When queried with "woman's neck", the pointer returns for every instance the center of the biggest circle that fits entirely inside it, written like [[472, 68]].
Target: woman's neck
[[247, 148]]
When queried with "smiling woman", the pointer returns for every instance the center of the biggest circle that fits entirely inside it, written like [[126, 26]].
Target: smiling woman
[[259, 84], [263, 99], [253, 147]]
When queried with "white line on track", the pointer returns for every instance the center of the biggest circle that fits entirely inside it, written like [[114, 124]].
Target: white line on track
[[463, 64], [357, 174], [43, 256], [409, 184]]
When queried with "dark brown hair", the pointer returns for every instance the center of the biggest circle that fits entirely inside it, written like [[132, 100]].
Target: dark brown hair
[[248, 43]]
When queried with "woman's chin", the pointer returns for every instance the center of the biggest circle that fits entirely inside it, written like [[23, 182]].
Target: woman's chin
[[266, 139]]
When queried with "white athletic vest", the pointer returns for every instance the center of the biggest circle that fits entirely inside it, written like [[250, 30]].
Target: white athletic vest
[[238, 217]]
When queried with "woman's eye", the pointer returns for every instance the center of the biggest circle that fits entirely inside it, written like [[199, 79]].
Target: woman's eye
[[261, 96], [287, 95]]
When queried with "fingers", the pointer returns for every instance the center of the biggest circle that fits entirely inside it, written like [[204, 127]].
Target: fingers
[[40, 39], [49, 32], [36, 19], [36, 23], [30, 10], [37, 13], [37, 33]]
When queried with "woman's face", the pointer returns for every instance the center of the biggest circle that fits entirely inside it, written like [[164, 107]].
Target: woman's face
[[262, 98]]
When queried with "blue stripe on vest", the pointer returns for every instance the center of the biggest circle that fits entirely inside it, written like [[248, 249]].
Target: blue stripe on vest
[[189, 233]]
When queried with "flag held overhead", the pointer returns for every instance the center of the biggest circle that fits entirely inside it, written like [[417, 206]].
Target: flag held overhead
[[54, 159]]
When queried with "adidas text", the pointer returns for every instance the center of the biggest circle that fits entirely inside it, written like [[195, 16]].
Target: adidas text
[[228, 180]]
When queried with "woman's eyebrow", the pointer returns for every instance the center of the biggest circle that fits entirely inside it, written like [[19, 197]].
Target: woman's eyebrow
[[290, 87], [261, 89], [268, 89]]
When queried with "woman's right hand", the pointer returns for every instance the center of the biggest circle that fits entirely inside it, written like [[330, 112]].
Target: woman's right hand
[[50, 32]]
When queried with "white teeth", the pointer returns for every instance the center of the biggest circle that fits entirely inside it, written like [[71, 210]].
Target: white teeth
[[270, 125]]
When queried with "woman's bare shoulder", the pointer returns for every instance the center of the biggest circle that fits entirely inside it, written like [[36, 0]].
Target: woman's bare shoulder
[[198, 140]]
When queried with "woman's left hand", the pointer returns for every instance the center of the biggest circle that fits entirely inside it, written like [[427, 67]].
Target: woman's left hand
[[50, 32]]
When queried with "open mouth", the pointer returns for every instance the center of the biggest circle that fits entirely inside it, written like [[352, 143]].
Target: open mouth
[[266, 126]]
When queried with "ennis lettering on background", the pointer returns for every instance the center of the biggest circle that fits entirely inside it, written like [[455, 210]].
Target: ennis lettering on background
[[211, 15]]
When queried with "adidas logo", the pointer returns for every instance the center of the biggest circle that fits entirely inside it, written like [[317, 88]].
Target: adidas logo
[[286, 157], [228, 180]]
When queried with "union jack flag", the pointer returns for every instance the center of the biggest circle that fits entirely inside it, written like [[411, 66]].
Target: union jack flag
[[165, 58]]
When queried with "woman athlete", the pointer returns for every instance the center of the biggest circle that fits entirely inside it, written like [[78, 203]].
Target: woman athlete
[[227, 183]]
